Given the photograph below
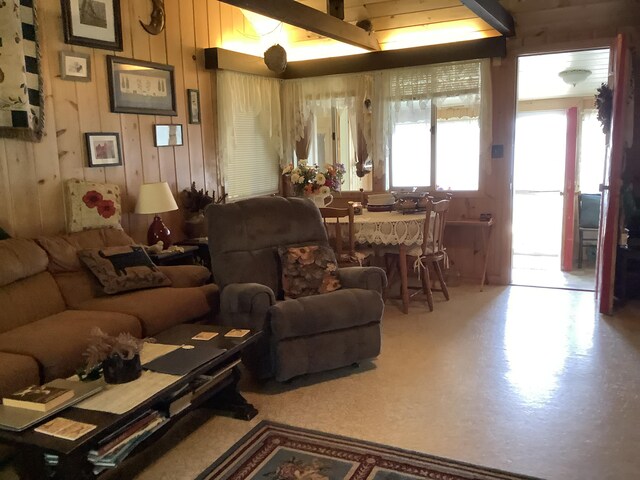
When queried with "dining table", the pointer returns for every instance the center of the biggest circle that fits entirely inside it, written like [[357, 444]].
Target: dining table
[[405, 230]]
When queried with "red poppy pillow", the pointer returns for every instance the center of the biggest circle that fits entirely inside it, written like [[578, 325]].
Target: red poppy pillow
[[92, 205]]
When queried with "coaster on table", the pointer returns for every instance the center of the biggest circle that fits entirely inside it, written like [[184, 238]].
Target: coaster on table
[[237, 333], [64, 428], [204, 336]]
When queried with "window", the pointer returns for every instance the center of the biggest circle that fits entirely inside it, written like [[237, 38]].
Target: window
[[434, 118], [254, 168]]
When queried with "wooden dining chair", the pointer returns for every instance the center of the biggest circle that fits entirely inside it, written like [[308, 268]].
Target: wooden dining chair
[[335, 219], [432, 252]]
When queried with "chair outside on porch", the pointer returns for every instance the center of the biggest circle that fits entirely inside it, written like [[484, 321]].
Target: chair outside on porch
[[432, 253], [588, 222]]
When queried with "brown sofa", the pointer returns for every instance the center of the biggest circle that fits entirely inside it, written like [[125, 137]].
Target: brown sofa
[[49, 302]]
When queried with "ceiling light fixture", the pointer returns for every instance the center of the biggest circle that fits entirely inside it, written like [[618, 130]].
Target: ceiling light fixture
[[574, 76]]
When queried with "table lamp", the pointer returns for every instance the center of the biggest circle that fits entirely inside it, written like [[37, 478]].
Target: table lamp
[[156, 198]]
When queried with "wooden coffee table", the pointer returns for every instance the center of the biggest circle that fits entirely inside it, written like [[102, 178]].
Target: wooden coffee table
[[221, 394]]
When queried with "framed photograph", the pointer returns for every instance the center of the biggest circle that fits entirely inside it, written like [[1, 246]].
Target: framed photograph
[[193, 101], [92, 23], [141, 87], [103, 149], [167, 135], [75, 66]]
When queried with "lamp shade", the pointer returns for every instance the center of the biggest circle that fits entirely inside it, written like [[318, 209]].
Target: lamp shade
[[155, 198]]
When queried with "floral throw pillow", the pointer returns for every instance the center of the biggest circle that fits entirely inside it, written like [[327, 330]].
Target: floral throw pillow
[[120, 269], [92, 205], [308, 270]]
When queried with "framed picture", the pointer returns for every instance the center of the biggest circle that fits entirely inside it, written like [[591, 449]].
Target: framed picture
[[75, 66], [92, 23], [141, 87], [167, 135], [193, 100], [103, 149]]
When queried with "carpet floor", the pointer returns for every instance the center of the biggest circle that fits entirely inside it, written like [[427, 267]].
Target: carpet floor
[[273, 451]]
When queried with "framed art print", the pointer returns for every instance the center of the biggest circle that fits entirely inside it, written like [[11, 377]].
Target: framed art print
[[103, 149], [193, 101], [92, 23], [141, 87], [168, 135], [75, 66]]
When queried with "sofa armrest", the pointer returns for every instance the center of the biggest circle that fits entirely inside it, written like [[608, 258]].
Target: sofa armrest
[[184, 276], [245, 305], [368, 278]]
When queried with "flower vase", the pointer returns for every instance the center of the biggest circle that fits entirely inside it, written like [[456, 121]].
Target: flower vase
[[121, 370], [195, 227]]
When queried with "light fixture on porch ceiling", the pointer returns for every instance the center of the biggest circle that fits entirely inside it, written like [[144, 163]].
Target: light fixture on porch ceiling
[[574, 76]]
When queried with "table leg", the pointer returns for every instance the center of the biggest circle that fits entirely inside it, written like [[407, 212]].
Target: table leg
[[404, 282], [486, 244]]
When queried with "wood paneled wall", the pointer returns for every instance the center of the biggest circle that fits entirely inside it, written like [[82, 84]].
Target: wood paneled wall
[[32, 174]]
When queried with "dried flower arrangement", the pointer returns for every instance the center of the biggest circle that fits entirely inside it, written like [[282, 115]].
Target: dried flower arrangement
[[604, 104], [195, 201], [103, 346]]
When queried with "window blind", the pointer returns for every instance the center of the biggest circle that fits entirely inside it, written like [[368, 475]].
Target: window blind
[[253, 165]]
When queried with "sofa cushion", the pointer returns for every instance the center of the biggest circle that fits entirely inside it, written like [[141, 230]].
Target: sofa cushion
[[57, 342], [308, 270], [120, 269], [20, 258], [29, 299], [158, 308], [350, 307], [18, 371], [63, 249], [92, 205]]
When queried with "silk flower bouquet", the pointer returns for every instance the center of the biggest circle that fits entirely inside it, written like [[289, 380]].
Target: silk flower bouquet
[[308, 180]]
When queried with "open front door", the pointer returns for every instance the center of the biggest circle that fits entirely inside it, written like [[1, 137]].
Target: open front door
[[609, 214]]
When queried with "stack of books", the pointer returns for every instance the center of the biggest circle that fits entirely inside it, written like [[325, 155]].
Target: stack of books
[[116, 447]]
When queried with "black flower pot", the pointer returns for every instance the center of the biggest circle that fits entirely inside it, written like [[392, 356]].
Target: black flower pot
[[119, 370]]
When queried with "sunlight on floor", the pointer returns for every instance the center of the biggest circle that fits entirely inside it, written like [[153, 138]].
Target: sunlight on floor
[[544, 271]]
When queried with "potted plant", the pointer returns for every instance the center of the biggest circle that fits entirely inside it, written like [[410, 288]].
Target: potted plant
[[117, 358], [195, 201]]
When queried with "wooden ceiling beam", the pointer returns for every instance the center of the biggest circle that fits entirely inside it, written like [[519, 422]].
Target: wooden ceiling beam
[[494, 14], [299, 15]]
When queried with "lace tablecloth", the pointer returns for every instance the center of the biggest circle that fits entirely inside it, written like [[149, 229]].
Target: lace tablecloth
[[389, 228]]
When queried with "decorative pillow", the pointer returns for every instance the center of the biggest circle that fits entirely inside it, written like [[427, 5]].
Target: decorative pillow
[[308, 270], [120, 269], [92, 205]]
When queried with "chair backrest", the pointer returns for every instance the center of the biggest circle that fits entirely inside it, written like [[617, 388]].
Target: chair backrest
[[244, 237], [340, 217], [589, 210], [435, 222]]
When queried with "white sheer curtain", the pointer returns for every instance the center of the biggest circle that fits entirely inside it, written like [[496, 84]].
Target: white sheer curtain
[[465, 85], [240, 95], [316, 96]]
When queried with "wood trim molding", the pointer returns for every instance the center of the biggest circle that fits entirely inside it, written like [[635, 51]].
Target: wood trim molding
[[494, 14], [300, 15], [218, 58]]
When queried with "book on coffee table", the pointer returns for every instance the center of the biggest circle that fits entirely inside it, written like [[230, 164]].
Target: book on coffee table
[[64, 428], [41, 398]]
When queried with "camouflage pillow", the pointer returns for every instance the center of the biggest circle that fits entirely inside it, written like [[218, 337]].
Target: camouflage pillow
[[120, 269], [308, 270]]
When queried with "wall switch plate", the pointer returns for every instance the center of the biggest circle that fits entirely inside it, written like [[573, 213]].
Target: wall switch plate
[[497, 151]]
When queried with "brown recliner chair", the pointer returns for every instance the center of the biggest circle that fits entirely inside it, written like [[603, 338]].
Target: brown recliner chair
[[303, 335]]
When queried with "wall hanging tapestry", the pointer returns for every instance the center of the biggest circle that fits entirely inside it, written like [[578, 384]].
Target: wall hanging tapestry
[[280, 452], [21, 98]]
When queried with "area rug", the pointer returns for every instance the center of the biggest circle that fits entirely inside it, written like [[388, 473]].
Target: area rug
[[273, 451]]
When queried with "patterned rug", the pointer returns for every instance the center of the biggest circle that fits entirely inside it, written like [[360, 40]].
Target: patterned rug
[[273, 451]]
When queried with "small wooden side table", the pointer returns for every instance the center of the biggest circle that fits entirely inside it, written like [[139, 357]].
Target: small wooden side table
[[202, 256], [188, 257]]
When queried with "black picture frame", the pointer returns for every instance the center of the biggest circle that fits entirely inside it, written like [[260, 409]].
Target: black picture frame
[[168, 135], [92, 23], [193, 103], [136, 86], [107, 154]]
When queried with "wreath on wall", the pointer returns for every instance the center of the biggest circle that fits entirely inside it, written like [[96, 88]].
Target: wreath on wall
[[604, 104]]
